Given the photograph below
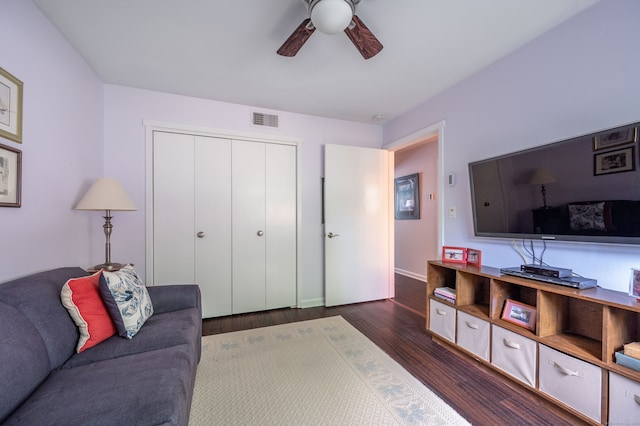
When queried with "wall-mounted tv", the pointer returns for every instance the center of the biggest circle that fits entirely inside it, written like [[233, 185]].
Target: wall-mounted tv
[[581, 189]]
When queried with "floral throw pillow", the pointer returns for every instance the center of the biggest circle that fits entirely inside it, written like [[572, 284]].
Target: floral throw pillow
[[127, 300], [587, 216]]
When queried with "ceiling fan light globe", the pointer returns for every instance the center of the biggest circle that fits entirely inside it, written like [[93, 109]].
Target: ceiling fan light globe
[[331, 16]]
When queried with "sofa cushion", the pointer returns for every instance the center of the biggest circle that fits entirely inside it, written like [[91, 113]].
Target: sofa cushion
[[83, 301], [37, 296], [151, 388], [587, 216], [127, 300], [25, 363], [160, 331]]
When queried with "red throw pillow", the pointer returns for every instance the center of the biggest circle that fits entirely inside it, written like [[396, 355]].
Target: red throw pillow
[[82, 299]]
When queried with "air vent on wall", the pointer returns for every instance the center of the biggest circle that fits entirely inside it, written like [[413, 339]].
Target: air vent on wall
[[261, 119]]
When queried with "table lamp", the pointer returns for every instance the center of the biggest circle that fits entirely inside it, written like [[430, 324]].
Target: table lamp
[[106, 194], [542, 177]]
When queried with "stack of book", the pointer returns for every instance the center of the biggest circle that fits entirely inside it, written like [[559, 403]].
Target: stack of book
[[630, 358], [445, 293]]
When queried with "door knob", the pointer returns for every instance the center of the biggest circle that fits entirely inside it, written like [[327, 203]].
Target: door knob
[[200, 234], [331, 235], [260, 233]]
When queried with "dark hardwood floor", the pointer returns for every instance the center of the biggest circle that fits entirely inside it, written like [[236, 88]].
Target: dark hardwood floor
[[478, 393]]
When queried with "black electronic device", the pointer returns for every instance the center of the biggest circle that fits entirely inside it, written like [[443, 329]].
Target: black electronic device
[[547, 271], [575, 282]]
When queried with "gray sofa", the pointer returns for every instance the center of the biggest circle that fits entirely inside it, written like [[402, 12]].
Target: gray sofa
[[147, 380]]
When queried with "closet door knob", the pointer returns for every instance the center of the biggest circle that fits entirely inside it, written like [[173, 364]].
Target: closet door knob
[[200, 234], [260, 233]]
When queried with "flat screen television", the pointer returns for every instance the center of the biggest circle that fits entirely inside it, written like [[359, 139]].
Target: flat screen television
[[581, 189]]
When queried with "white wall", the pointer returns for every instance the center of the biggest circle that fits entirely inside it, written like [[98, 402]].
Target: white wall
[[578, 78], [124, 158], [62, 146]]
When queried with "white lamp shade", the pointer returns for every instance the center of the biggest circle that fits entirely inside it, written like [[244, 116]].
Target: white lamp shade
[[331, 16], [106, 194], [542, 177]]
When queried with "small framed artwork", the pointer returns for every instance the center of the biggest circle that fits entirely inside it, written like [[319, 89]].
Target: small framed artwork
[[10, 176], [621, 160], [634, 283], [10, 107], [613, 138], [407, 200], [454, 254], [520, 314], [474, 257]]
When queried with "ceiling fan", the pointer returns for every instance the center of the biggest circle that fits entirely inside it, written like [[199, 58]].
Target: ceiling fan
[[331, 17]]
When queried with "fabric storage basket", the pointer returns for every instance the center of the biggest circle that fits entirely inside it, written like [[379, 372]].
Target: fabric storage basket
[[473, 335], [514, 354], [624, 400], [573, 382], [442, 320]]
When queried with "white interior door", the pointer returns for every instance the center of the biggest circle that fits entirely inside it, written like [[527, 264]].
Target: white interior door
[[212, 230], [281, 229], [191, 216], [358, 233], [248, 226]]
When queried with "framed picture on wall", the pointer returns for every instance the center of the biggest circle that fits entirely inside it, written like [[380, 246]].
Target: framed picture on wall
[[621, 160], [10, 107], [10, 176], [407, 197], [613, 138]]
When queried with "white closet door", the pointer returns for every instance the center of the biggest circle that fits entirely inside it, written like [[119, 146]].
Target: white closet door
[[212, 230], [248, 226], [281, 253], [173, 209]]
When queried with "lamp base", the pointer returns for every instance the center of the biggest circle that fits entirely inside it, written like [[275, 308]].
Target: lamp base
[[109, 267]]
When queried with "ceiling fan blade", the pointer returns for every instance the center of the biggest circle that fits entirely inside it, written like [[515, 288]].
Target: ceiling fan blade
[[297, 39], [363, 39]]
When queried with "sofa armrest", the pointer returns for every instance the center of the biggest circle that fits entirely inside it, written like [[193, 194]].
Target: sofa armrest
[[167, 298]]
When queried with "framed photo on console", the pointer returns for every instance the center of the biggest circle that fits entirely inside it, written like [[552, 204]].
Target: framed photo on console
[[454, 254], [474, 257], [519, 314], [634, 283]]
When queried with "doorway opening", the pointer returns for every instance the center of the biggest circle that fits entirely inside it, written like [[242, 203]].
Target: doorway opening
[[418, 240]]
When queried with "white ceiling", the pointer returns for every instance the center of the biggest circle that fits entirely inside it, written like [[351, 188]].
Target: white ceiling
[[226, 49]]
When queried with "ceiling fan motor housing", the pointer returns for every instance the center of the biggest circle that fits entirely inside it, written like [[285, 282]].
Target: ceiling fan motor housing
[[331, 16]]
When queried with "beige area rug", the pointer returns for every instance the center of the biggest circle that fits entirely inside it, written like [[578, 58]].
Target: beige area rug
[[318, 372]]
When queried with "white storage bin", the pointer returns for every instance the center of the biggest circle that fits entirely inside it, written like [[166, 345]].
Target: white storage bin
[[624, 400], [442, 320], [473, 334], [514, 354], [574, 382]]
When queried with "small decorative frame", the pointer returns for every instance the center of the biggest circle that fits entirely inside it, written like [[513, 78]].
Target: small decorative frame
[[621, 160], [407, 200], [519, 314], [10, 107], [10, 176], [474, 257], [634, 283], [454, 254], [613, 138]]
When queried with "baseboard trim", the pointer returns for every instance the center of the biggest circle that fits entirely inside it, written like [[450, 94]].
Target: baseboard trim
[[311, 303], [411, 275]]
